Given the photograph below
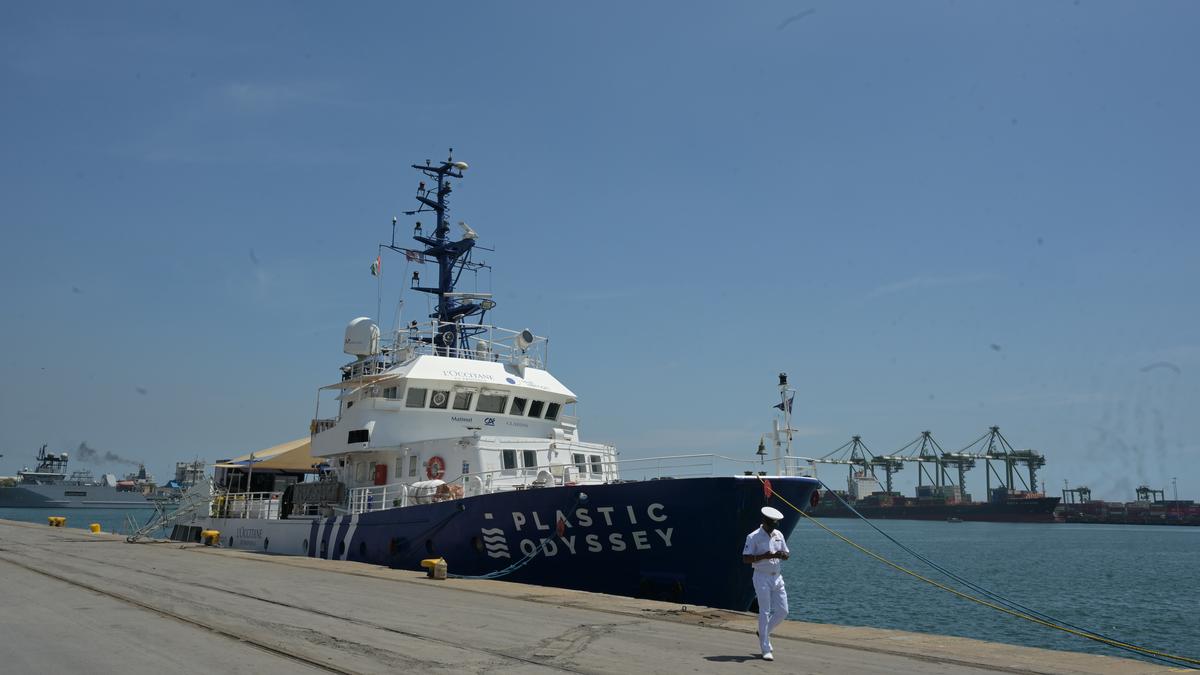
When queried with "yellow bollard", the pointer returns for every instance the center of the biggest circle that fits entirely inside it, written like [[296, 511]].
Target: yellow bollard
[[435, 567], [95, 528], [210, 537]]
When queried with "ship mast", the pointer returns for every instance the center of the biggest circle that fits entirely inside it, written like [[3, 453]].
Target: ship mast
[[452, 258]]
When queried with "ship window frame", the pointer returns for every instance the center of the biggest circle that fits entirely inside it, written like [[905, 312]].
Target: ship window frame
[[459, 403], [445, 402], [552, 410], [413, 462], [494, 409], [525, 455], [423, 392], [536, 407], [391, 393], [508, 460], [518, 406], [580, 461], [597, 465]]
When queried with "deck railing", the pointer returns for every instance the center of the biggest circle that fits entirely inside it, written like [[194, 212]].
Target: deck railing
[[247, 505]]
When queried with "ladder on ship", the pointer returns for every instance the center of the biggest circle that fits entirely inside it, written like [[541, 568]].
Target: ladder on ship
[[196, 501]]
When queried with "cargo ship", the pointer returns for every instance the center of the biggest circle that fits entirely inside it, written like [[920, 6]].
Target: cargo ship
[[938, 495], [1002, 506], [1150, 508]]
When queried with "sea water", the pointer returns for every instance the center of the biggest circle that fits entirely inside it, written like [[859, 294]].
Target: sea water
[[118, 521], [1133, 583]]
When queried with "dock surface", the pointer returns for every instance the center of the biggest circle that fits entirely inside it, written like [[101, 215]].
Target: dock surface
[[80, 602]]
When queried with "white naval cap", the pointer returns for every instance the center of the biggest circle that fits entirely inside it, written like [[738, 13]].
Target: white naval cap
[[772, 513]]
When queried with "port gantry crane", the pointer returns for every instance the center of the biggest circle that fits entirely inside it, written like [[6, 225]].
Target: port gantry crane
[[995, 447], [854, 453]]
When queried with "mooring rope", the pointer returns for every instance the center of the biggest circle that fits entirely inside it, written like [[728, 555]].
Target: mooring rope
[[1014, 609]]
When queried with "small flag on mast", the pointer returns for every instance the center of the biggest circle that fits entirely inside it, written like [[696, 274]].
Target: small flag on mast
[[785, 406], [414, 256], [376, 266]]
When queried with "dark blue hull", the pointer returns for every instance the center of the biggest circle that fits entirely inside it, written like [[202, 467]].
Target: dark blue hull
[[678, 540]]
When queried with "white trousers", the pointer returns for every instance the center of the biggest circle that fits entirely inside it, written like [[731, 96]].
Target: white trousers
[[772, 605]]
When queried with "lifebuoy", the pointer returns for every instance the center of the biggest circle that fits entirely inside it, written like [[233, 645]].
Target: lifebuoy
[[435, 468]]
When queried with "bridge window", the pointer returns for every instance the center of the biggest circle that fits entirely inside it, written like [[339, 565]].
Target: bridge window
[[413, 461], [508, 459], [416, 398], [392, 392], [535, 408], [552, 411], [358, 436], [491, 403], [462, 400], [518, 406], [597, 465], [580, 462], [529, 457], [439, 400]]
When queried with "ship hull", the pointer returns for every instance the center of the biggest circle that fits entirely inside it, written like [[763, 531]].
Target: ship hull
[[71, 497], [672, 539], [1040, 510]]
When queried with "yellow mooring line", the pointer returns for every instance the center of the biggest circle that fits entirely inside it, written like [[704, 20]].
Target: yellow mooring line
[[985, 603]]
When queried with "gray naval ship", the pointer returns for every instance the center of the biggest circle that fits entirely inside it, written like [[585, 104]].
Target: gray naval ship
[[49, 486]]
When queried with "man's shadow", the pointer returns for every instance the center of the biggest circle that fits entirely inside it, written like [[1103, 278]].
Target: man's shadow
[[733, 658]]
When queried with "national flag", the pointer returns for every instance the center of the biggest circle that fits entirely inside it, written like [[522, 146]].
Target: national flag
[[767, 489], [785, 406], [414, 256], [376, 266]]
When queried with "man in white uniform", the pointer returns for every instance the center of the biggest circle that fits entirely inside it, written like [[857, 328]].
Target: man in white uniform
[[765, 548]]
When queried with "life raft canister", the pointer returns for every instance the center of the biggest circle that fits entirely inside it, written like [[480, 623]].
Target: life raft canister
[[435, 468]]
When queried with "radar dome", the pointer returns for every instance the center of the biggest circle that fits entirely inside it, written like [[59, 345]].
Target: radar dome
[[362, 337]]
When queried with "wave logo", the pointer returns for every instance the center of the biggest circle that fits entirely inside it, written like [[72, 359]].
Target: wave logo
[[495, 543]]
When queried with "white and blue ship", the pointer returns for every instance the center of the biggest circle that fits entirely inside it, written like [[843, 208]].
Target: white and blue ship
[[451, 439]]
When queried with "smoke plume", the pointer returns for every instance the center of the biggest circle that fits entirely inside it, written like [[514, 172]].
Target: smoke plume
[[90, 454]]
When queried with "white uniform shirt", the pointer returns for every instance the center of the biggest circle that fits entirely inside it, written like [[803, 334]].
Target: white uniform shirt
[[759, 542]]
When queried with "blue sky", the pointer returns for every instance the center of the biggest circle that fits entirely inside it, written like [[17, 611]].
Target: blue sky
[[933, 215]]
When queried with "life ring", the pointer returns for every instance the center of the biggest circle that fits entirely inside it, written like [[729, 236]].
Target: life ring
[[439, 398], [435, 468]]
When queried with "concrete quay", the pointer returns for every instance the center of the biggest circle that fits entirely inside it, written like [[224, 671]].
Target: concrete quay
[[79, 602]]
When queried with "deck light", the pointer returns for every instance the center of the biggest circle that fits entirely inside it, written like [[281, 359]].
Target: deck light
[[488, 304], [461, 166], [468, 233], [417, 229]]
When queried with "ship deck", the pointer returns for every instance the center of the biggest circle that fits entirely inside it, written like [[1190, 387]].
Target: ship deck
[[81, 602]]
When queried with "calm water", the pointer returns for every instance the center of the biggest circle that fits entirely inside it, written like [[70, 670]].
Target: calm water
[[1130, 582], [111, 520]]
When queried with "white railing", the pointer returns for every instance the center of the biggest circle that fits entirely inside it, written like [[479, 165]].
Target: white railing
[[396, 495], [379, 497], [247, 505], [484, 343]]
